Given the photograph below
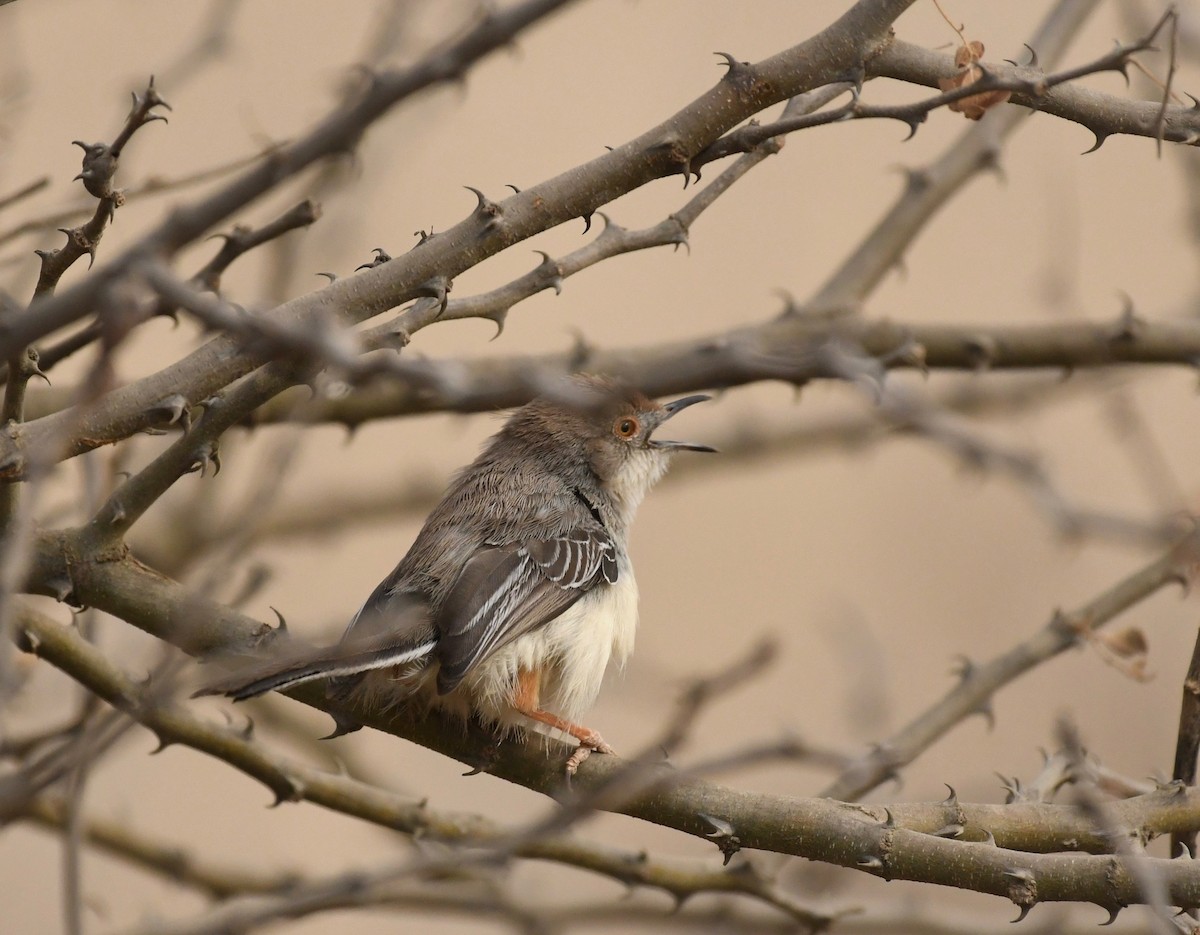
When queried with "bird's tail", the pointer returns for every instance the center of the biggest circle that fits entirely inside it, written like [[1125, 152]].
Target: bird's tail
[[304, 664]]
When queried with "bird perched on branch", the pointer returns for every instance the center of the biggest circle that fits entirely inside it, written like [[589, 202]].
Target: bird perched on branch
[[519, 590]]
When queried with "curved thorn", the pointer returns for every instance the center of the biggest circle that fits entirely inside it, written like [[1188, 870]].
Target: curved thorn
[[730, 62], [1100, 138]]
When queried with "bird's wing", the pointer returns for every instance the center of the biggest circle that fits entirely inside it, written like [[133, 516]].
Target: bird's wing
[[507, 590]]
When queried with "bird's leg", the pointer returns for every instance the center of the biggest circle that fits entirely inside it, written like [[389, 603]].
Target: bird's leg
[[525, 701]]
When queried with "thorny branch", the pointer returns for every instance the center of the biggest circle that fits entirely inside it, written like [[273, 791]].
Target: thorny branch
[[1019, 851], [978, 683], [174, 723], [818, 828]]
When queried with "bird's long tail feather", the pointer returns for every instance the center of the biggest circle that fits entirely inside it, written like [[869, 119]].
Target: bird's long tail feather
[[304, 665]]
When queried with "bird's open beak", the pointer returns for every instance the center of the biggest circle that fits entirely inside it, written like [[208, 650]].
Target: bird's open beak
[[670, 410]]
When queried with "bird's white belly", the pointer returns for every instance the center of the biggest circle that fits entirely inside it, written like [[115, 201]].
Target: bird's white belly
[[571, 653]]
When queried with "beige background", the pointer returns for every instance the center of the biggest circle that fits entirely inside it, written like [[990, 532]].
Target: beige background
[[872, 567]]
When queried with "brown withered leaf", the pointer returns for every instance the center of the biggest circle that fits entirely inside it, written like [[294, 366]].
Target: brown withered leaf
[[1125, 650], [965, 59], [1126, 643]]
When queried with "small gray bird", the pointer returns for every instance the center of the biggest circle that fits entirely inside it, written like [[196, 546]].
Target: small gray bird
[[518, 591]]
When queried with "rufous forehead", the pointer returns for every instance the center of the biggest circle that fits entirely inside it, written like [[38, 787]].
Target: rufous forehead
[[640, 402]]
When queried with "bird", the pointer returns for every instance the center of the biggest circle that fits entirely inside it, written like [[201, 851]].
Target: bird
[[519, 590]]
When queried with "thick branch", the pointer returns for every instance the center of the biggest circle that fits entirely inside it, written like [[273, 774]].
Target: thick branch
[[790, 348]]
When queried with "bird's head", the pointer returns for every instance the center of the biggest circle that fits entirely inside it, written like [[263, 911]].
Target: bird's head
[[618, 427]]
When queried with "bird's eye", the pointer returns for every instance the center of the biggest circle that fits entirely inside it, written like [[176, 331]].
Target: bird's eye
[[626, 428]]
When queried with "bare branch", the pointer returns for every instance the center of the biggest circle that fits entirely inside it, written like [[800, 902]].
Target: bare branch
[[978, 683]]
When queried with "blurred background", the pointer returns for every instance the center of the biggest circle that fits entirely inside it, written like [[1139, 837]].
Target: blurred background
[[873, 564]]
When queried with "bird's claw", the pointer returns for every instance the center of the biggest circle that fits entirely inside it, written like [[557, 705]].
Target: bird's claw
[[584, 750]]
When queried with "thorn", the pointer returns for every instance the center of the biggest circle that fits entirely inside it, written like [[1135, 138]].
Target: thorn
[[914, 124], [950, 801], [676, 155], [289, 790], [1173, 787], [723, 835], [208, 453], [1128, 324], [118, 514], [1023, 913], [985, 710], [989, 839], [282, 627], [1101, 136], [739, 74], [499, 318], [870, 862], [952, 830], [61, 589], [381, 257], [169, 410], [163, 743], [341, 725], [486, 209], [790, 308], [556, 279], [1113, 912], [731, 63], [484, 761], [209, 403], [853, 76], [516, 191], [587, 222], [332, 277], [890, 820], [1012, 788], [681, 236], [436, 288], [1033, 56]]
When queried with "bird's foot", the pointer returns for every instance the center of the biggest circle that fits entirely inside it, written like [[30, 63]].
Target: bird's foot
[[589, 740]]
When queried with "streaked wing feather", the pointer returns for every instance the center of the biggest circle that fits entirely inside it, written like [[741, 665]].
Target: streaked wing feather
[[507, 590]]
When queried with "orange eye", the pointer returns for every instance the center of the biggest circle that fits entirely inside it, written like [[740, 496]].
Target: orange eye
[[626, 428]]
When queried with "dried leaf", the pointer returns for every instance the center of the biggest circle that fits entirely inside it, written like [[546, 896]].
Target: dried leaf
[[1126, 651], [1126, 643], [976, 105]]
